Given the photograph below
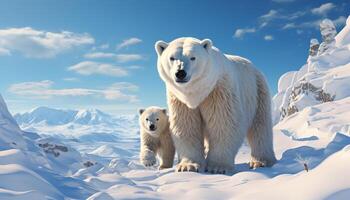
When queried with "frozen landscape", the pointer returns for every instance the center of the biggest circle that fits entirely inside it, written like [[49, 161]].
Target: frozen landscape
[[49, 153]]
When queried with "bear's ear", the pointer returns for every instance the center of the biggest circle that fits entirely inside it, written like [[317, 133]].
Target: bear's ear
[[207, 44], [164, 110], [141, 110], [160, 47]]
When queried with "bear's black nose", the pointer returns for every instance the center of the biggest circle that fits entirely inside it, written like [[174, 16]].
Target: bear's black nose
[[152, 127], [181, 74]]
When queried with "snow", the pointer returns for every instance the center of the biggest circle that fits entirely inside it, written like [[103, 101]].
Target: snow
[[323, 78], [343, 37], [88, 154]]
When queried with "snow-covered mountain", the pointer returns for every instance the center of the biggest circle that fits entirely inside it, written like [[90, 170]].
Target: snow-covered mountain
[[34, 167], [88, 124], [52, 116], [325, 77]]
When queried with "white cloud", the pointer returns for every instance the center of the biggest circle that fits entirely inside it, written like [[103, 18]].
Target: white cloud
[[314, 24], [4, 52], [122, 58], [268, 37], [40, 44], [124, 86], [323, 9], [134, 67], [239, 33], [99, 55], [339, 21], [289, 26], [104, 46], [90, 67], [272, 14], [44, 90], [128, 57], [71, 79], [129, 42], [115, 91]]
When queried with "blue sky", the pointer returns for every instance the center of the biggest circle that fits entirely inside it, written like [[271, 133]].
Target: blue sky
[[100, 54]]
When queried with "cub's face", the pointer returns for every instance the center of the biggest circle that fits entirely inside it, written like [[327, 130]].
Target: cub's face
[[153, 120], [183, 60]]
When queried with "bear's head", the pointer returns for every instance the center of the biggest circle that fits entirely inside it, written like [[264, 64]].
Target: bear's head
[[186, 66], [153, 120]]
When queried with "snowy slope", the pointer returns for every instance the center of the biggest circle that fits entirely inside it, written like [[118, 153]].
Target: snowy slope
[[325, 77], [32, 167]]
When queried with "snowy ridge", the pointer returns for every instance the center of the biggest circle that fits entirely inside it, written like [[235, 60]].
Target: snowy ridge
[[51, 116], [325, 77]]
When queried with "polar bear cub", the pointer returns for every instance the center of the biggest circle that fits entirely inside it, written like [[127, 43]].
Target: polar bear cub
[[155, 138]]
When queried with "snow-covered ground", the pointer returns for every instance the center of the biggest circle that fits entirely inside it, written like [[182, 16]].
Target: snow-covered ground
[[88, 154]]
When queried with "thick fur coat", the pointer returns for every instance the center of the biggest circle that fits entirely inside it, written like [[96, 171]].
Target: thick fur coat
[[218, 98], [155, 138]]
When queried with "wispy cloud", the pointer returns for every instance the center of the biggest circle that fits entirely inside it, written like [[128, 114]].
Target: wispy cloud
[[38, 43], [239, 33], [314, 24], [100, 47], [272, 14], [104, 46], [323, 9], [122, 58], [128, 42], [4, 52], [268, 37], [339, 21], [275, 15], [71, 79], [44, 90], [95, 55], [128, 57], [90, 67]]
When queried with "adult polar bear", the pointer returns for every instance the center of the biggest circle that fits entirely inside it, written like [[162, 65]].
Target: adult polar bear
[[218, 98]]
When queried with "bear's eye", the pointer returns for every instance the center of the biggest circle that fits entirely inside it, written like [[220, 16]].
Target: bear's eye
[[193, 58], [146, 119], [157, 119], [172, 58]]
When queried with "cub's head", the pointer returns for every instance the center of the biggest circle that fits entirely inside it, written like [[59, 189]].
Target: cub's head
[[153, 120], [183, 60]]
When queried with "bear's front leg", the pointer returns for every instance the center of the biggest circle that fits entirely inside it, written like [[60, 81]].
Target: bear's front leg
[[225, 136], [148, 150], [186, 129], [148, 158], [166, 152]]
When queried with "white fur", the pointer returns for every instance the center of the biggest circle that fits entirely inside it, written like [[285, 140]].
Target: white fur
[[156, 142], [224, 99]]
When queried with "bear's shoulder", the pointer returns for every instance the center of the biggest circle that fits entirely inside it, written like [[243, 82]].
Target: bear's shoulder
[[239, 60]]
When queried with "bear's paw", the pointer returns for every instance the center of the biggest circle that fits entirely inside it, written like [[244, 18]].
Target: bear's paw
[[187, 167], [149, 160]]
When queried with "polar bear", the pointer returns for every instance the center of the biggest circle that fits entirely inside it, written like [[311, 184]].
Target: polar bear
[[218, 98], [155, 138]]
